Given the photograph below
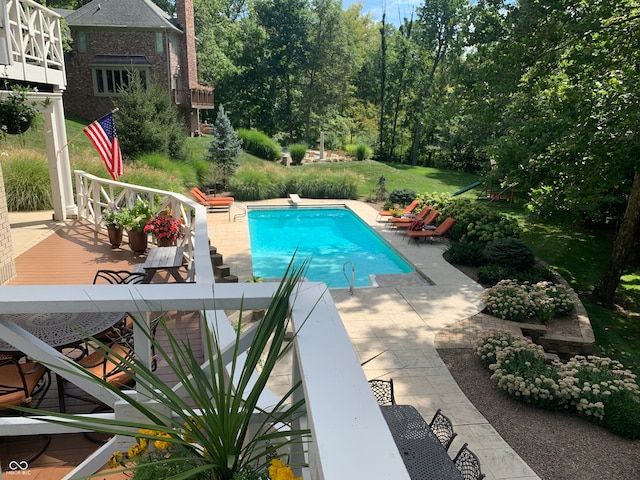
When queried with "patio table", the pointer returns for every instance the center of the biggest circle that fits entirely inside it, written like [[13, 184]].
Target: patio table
[[61, 330], [422, 453], [164, 258]]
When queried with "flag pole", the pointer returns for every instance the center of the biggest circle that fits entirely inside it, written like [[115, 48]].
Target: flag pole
[[77, 135]]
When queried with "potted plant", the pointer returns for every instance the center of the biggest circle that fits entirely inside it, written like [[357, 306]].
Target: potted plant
[[166, 229], [16, 112], [137, 218], [114, 219]]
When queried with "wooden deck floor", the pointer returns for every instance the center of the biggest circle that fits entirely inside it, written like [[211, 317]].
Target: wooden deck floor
[[71, 256]]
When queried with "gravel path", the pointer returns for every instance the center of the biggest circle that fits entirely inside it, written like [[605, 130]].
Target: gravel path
[[557, 445]]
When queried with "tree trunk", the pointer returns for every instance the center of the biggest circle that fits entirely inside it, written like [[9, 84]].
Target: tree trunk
[[605, 289]]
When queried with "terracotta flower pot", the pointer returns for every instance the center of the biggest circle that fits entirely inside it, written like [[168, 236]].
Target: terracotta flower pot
[[115, 236], [138, 241], [166, 242]]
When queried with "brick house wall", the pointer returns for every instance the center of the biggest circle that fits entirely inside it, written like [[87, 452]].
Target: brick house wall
[[7, 264], [79, 97]]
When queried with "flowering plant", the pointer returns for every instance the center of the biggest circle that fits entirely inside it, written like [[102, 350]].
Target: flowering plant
[[164, 227], [510, 300], [586, 384]]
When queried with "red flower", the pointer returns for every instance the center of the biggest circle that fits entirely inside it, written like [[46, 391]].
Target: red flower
[[165, 227]]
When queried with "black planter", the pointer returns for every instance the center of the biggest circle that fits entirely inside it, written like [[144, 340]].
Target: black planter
[[18, 129]]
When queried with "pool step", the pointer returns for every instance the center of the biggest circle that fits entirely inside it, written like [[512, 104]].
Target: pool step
[[221, 271]]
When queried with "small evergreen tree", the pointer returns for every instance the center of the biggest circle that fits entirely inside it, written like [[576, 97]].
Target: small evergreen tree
[[225, 146], [148, 122]]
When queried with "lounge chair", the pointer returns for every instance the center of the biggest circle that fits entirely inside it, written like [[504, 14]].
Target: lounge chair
[[427, 222], [409, 218], [386, 213], [208, 201], [439, 232]]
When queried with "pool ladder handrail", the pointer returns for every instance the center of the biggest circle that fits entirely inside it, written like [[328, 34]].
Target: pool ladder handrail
[[240, 215], [353, 271]]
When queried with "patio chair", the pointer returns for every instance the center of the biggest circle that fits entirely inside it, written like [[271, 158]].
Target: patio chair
[[383, 391], [398, 221], [21, 382], [439, 232], [468, 463], [118, 277], [386, 213], [210, 201], [427, 222], [442, 427]]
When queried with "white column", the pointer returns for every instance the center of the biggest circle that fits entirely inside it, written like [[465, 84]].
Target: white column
[[58, 155]]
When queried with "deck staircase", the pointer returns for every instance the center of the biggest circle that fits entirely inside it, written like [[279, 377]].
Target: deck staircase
[[221, 271]]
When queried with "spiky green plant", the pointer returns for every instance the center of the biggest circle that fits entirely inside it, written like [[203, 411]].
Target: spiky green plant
[[210, 433]]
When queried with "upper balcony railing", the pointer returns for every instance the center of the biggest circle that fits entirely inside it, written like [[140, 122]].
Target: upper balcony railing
[[194, 98], [32, 41]]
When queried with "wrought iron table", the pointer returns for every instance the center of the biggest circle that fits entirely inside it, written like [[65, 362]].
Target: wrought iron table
[[61, 329], [422, 453], [164, 258]]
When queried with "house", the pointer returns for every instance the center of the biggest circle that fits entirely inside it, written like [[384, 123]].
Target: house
[[115, 40]]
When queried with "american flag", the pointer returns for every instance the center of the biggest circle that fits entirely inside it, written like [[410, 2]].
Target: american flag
[[102, 134]]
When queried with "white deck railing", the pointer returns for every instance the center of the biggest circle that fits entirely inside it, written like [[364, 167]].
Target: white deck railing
[[349, 437], [35, 43]]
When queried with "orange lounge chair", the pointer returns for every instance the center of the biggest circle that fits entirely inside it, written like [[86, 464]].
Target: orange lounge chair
[[386, 213], [394, 221], [439, 232], [427, 221], [210, 201]]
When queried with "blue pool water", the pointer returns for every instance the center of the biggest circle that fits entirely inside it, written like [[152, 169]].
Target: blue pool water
[[329, 237]]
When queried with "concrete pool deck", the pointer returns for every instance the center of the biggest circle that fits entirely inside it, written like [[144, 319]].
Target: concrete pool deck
[[403, 321]]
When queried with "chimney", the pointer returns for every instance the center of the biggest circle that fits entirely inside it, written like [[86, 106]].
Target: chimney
[[188, 62]]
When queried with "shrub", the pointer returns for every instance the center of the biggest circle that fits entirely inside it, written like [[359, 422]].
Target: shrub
[[437, 201], [622, 415], [511, 301], [534, 275], [478, 223], [363, 152], [403, 196], [509, 252], [598, 388], [27, 183], [148, 122], [323, 184], [492, 274], [260, 145], [471, 254], [297, 152]]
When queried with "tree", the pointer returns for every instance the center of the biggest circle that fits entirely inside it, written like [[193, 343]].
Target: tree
[[225, 147], [149, 122]]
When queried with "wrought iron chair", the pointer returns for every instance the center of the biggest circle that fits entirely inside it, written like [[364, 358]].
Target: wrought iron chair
[[468, 463], [21, 382], [118, 277], [383, 391], [443, 429]]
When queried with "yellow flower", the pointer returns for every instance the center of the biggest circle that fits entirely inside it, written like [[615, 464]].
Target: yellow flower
[[135, 451], [279, 471], [115, 459], [160, 444], [144, 444]]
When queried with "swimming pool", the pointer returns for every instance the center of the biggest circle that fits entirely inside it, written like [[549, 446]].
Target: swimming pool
[[331, 237]]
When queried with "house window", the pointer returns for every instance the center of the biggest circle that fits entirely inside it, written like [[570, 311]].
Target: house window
[[159, 42], [113, 72], [108, 81], [82, 42]]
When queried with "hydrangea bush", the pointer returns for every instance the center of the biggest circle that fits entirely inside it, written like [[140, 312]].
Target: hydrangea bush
[[510, 300], [587, 384]]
